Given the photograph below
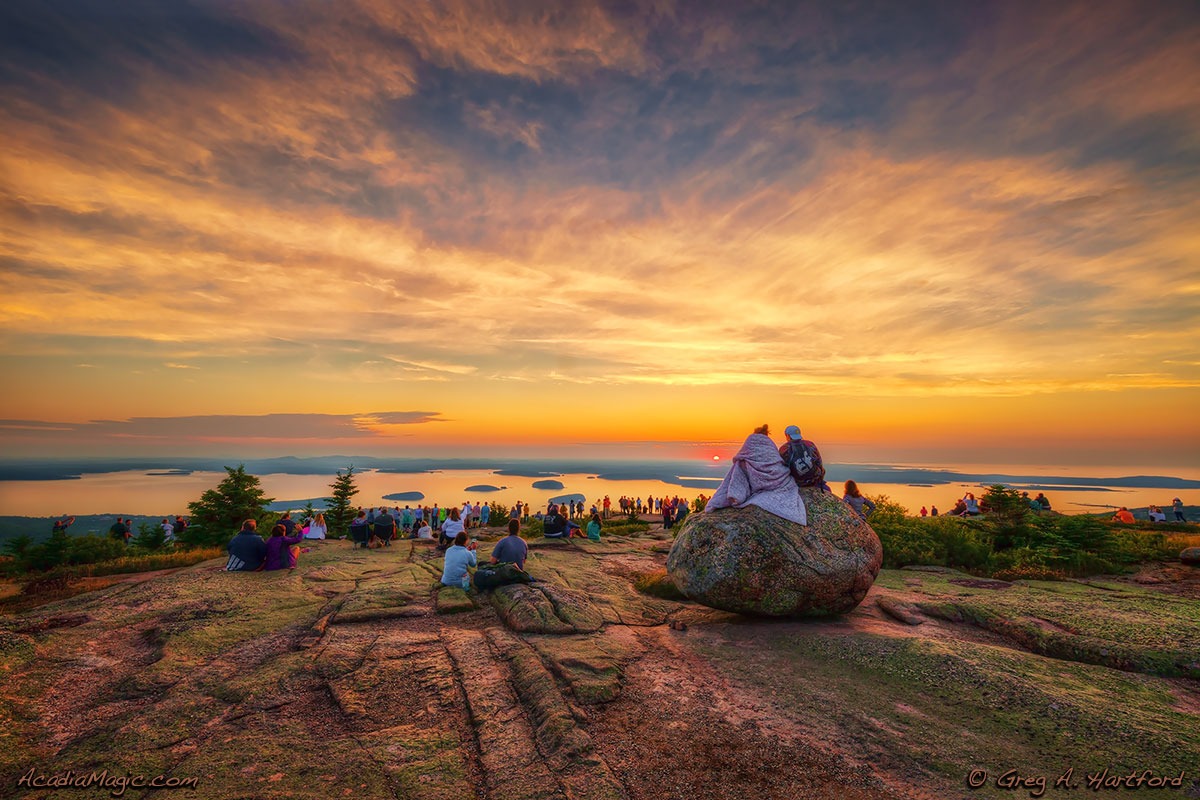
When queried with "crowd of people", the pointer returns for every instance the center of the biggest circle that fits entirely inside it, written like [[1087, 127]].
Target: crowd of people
[[122, 529], [1155, 513], [379, 527], [762, 474]]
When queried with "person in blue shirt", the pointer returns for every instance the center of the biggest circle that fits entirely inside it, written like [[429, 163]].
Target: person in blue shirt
[[511, 548], [459, 556]]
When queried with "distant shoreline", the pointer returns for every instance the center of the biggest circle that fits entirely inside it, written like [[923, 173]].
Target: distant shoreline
[[674, 472]]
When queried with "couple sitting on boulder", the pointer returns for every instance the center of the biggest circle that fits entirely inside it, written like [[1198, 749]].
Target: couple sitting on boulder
[[769, 477]]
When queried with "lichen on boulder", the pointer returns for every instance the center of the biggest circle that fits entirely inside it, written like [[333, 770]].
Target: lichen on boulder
[[749, 561]]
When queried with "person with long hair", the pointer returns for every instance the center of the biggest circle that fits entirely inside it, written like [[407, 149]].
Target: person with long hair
[[317, 528], [593, 527], [451, 528], [857, 500]]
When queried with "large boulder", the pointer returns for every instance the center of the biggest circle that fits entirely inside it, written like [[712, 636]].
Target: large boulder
[[1190, 556], [749, 561]]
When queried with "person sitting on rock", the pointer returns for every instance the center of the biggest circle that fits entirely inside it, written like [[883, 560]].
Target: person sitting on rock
[[247, 550], [1156, 514], [459, 556], [593, 527], [803, 459], [511, 548], [554, 525], [856, 500], [451, 528], [279, 554], [1123, 515], [1043, 501], [759, 477]]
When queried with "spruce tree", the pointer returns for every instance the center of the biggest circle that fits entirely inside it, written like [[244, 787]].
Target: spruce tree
[[339, 511], [220, 512]]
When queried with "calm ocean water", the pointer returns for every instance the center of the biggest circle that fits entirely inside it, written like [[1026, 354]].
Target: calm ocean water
[[137, 492]]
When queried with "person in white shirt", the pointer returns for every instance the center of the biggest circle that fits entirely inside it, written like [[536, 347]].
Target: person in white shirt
[[317, 528], [451, 528]]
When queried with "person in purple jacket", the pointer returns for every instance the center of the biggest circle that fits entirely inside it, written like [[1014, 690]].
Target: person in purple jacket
[[279, 549]]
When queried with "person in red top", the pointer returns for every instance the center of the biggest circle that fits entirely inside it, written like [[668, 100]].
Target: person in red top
[[607, 506], [1123, 515]]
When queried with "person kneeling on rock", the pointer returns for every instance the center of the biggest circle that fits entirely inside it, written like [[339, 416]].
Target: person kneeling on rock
[[459, 556]]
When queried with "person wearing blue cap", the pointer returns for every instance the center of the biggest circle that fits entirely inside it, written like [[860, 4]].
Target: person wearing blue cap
[[803, 459]]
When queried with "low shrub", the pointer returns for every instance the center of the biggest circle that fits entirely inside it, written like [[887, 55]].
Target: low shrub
[[624, 528], [1009, 543]]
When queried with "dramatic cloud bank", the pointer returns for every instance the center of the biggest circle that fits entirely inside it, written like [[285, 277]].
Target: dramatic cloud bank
[[535, 215]]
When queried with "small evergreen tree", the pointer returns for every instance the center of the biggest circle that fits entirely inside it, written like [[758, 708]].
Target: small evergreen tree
[[339, 511], [219, 513], [1008, 517], [150, 537]]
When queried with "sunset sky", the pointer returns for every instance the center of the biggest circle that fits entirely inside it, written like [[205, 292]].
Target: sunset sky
[[958, 232]]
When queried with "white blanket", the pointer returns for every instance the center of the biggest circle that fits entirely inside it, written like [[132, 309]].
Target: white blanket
[[759, 477]]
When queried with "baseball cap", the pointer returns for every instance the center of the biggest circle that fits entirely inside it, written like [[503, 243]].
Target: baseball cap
[[793, 433]]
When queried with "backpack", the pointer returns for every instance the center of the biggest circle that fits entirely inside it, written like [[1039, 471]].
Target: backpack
[[489, 576], [801, 461]]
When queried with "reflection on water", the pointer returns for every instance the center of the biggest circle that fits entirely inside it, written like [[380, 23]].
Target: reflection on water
[[160, 494]]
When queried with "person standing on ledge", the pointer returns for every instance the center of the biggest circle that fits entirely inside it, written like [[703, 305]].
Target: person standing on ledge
[[803, 460], [1177, 507]]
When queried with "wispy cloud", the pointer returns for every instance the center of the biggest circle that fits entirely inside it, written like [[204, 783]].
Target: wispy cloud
[[987, 200], [228, 427]]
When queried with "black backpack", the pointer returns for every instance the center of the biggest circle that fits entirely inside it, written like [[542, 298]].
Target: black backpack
[[801, 460], [489, 576]]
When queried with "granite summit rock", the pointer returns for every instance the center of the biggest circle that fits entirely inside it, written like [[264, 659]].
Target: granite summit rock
[[749, 561]]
